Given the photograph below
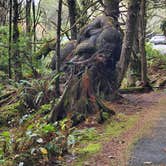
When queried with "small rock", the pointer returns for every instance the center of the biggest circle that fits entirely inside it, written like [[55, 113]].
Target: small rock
[[111, 157], [21, 164], [147, 163], [86, 163], [121, 142], [40, 141]]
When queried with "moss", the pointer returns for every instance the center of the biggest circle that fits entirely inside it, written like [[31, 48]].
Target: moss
[[46, 48], [91, 148], [86, 152], [44, 109], [8, 112], [11, 107], [120, 124], [105, 116], [112, 128]]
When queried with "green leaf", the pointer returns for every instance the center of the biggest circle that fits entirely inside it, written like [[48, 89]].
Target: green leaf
[[6, 134], [48, 128]]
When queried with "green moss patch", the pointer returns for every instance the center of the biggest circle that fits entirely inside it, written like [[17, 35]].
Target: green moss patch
[[9, 113], [118, 125], [114, 127], [91, 148]]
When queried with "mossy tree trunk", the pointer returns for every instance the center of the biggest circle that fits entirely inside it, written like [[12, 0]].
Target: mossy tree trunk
[[134, 70]]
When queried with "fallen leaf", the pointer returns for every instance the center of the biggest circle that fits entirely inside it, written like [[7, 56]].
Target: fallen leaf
[[44, 151]]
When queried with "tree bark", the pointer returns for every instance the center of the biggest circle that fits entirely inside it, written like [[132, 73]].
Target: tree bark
[[142, 33], [72, 16], [16, 52], [34, 25], [132, 16], [3, 12], [28, 17], [134, 70], [10, 39], [58, 45]]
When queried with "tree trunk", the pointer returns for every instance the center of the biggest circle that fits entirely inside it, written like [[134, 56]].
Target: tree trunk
[[10, 39], [134, 70], [82, 97], [3, 12], [58, 45], [142, 36], [34, 25], [16, 52], [28, 17], [72, 16], [29, 36], [132, 16]]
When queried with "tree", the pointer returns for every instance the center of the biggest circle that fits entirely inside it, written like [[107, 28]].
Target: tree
[[58, 43], [132, 16], [142, 36], [28, 17], [34, 24], [10, 39], [16, 52], [72, 16], [3, 11], [96, 77], [28, 32]]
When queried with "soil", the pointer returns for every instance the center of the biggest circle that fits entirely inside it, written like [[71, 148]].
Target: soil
[[151, 148], [150, 128]]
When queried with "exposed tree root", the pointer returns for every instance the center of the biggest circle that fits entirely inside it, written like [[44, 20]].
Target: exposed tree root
[[80, 99]]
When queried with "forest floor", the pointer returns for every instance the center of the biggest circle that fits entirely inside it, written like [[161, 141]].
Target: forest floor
[[142, 142], [134, 136]]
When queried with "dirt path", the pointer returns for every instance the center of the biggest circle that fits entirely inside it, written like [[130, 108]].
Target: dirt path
[[150, 148]]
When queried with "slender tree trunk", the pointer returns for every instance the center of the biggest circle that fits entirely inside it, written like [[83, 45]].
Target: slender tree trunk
[[142, 36], [28, 30], [16, 52], [132, 16], [28, 17], [10, 39], [34, 25], [58, 43], [72, 16]]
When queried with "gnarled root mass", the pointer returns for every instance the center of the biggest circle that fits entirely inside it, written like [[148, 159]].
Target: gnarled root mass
[[96, 54], [85, 95]]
